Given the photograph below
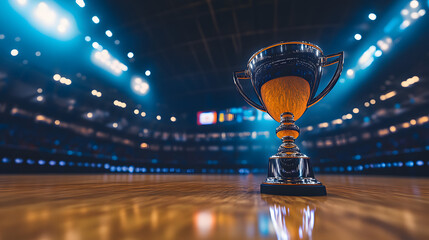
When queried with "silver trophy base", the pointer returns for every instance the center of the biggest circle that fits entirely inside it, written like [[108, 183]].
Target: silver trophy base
[[291, 175]]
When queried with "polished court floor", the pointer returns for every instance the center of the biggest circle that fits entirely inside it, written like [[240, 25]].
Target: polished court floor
[[208, 207]]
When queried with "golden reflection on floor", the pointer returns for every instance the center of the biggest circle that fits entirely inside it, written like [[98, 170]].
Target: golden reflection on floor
[[208, 207]]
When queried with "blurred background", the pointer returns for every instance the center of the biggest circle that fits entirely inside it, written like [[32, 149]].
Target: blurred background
[[106, 86]]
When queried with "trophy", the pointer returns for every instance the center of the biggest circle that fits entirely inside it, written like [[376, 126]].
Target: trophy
[[285, 77]]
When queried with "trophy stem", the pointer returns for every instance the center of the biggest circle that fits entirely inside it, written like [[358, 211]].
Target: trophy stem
[[289, 171]]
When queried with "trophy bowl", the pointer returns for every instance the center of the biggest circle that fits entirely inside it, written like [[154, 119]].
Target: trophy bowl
[[285, 77]]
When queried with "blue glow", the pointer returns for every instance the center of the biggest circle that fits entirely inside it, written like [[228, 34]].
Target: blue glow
[[62, 163], [420, 163], [409, 164], [41, 162], [52, 163], [95, 19], [48, 17], [5, 160], [88, 38], [147, 73], [18, 160], [366, 119], [30, 162], [112, 169], [106, 166]]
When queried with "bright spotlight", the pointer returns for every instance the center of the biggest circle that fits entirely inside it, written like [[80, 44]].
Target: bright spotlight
[[355, 110], [358, 36], [372, 16], [139, 86], [158, 117], [81, 3], [422, 12], [173, 119], [57, 77], [143, 114], [45, 14], [88, 38], [64, 24], [350, 72], [404, 12], [14, 52], [97, 46], [115, 125], [378, 53], [37, 53], [405, 24], [89, 115], [95, 19], [136, 111], [414, 4], [130, 55], [22, 2], [415, 15], [39, 90], [147, 73], [39, 98], [109, 33]]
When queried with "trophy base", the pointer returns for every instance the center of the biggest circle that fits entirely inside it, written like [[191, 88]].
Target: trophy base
[[293, 189]]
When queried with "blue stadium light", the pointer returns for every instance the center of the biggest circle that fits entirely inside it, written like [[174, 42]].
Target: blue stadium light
[[147, 73], [130, 55], [107, 61], [97, 46], [372, 16], [88, 38], [95, 19], [14, 52], [109, 33], [81, 3], [358, 36], [47, 17], [367, 57], [378, 53], [139, 86], [22, 2], [414, 4]]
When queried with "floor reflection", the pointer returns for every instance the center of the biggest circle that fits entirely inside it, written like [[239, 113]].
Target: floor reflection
[[291, 217]]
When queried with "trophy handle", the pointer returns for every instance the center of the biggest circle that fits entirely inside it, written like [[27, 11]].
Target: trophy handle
[[340, 61], [242, 75]]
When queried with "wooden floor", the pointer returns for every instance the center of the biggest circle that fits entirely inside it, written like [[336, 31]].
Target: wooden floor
[[208, 207]]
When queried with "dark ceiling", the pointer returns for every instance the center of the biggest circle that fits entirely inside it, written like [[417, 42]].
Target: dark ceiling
[[193, 47]]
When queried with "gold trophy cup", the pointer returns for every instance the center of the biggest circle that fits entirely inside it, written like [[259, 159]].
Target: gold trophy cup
[[285, 77]]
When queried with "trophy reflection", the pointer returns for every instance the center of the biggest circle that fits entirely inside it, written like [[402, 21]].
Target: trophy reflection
[[292, 218], [285, 77]]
